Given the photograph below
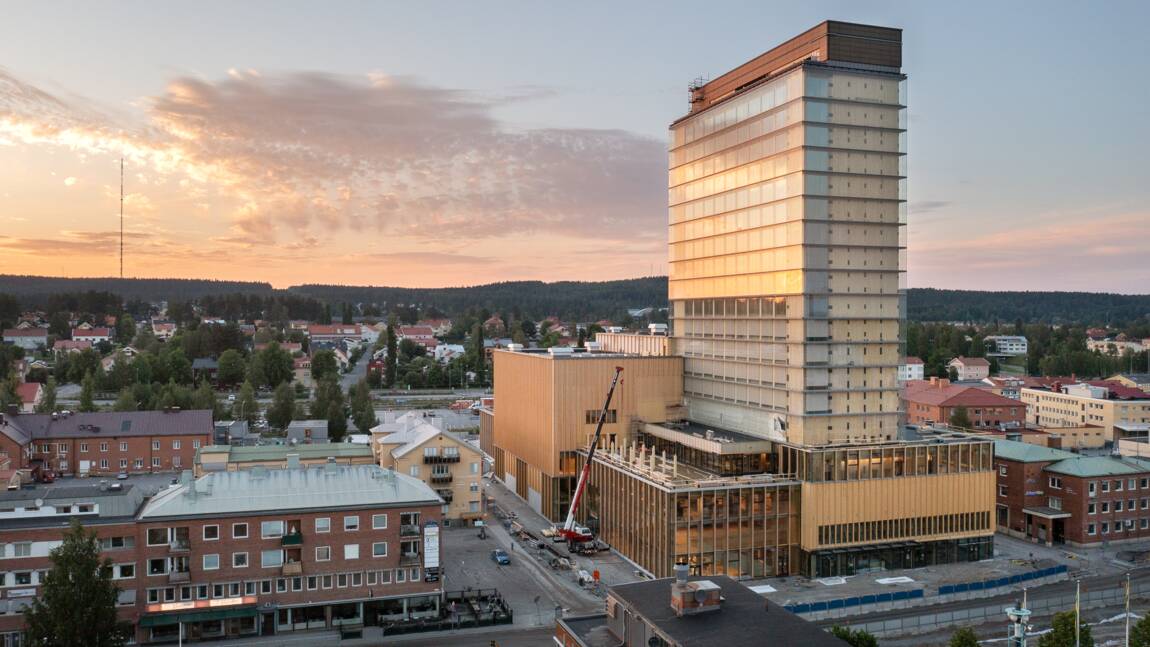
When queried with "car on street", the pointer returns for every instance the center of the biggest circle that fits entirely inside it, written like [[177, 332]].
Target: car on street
[[499, 556], [122, 476]]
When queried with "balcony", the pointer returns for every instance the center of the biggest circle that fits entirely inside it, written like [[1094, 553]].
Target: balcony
[[409, 530], [441, 459], [291, 539], [293, 568], [179, 576], [446, 495], [409, 559], [441, 478], [179, 546]]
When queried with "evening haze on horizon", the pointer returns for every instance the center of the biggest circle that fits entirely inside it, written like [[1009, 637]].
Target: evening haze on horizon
[[377, 144]]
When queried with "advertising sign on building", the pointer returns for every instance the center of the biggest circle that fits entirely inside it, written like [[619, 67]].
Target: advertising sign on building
[[431, 551]]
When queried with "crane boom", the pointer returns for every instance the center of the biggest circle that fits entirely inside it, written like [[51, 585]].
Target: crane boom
[[569, 530]]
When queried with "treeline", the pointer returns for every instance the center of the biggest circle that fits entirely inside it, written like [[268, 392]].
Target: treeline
[[569, 300], [1087, 308], [34, 289]]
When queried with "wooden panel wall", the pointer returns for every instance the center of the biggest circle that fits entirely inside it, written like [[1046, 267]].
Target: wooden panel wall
[[895, 498]]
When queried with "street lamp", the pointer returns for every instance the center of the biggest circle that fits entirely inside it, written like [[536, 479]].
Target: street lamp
[[1018, 616]]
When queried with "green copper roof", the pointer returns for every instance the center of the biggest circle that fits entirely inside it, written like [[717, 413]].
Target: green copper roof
[[1092, 466], [1027, 453]]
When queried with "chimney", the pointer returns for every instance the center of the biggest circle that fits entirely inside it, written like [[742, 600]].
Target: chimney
[[691, 598]]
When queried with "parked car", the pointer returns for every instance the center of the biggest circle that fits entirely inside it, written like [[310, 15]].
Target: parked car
[[499, 556], [122, 476]]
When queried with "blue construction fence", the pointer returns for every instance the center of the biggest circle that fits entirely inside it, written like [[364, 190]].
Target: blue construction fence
[[1001, 581], [846, 603], [948, 589]]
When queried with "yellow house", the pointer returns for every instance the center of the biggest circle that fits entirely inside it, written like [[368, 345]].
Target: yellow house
[[412, 444]]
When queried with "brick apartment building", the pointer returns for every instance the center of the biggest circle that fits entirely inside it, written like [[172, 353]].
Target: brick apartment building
[[1057, 497], [105, 443], [253, 552], [933, 401]]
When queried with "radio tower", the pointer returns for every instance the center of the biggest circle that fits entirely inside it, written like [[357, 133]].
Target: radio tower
[[121, 217]]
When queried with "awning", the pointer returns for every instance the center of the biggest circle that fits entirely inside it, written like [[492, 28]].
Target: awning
[[1047, 513], [161, 619]]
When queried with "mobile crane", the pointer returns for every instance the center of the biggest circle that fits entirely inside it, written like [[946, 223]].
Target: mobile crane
[[579, 536]]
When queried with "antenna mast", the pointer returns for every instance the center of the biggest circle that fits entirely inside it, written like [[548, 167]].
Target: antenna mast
[[121, 217]]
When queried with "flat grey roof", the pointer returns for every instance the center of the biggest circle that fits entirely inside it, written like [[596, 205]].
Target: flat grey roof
[[746, 618], [258, 491], [113, 424]]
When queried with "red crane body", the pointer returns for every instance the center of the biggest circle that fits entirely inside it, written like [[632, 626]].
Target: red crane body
[[569, 531]]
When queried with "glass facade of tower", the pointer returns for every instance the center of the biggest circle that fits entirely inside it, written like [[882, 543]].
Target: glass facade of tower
[[787, 219]]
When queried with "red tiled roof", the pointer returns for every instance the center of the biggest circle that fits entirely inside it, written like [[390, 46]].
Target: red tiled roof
[[913, 360], [26, 332], [334, 329], [91, 332], [28, 391], [71, 344], [956, 395], [416, 331], [1119, 391], [971, 361]]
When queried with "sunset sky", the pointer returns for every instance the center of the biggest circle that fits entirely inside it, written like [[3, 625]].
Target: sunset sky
[[435, 144]]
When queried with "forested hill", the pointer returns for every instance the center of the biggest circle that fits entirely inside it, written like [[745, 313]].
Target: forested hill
[[32, 289], [567, 299], [594, 300], [1089, 308]]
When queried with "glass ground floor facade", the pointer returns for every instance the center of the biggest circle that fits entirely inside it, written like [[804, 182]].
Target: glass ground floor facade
[[741, 528], [905, 554], [271, 620]]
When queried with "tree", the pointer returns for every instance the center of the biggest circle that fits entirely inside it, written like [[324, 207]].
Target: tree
[[278, 365], [282, 409], [323, 364], [328, 405], [8, 394], [375, 379], [855, 638], [952, 374], [48, 398], [125, 401], [362, 411], [125, 328], [87, 391], [959, 417], [205, 398], [179, 367], [1061, 633], [1140, 633], [232, 368], [347, 314], [477, 354], [245, 406], [391, 368], [964, 637], [77, 601]]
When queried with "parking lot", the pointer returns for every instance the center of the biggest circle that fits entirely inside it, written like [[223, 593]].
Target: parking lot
[[532, 589]]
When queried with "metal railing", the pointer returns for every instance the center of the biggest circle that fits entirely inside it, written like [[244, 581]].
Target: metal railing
[[441, 459]]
